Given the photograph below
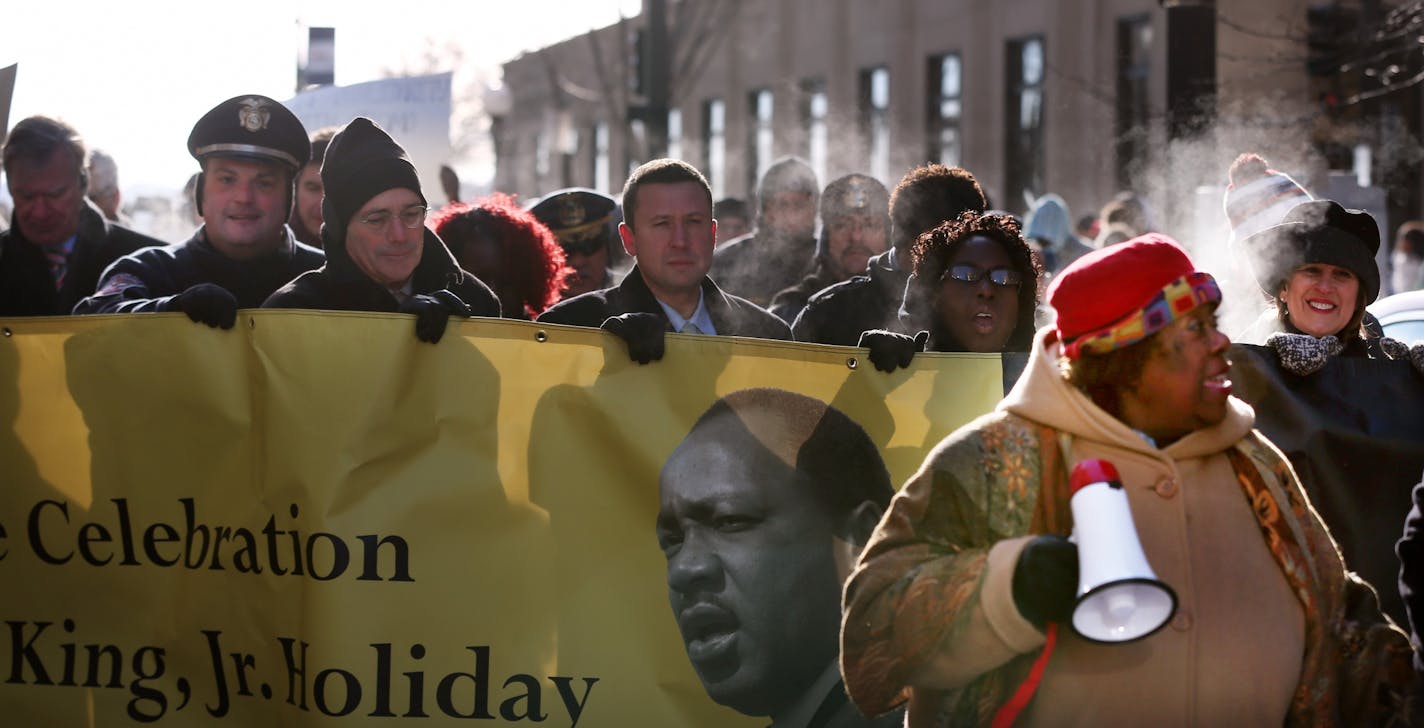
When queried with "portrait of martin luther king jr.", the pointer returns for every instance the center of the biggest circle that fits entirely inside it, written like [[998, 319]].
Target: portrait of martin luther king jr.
[[763, 508]]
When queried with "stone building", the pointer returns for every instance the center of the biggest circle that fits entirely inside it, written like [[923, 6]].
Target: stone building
[[1078, 97]]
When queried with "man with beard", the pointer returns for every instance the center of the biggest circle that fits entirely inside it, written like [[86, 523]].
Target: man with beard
[[924, 198], [763, 506], [855, 225], [58, 242], [250, 148], [582, 220], [782, 247]]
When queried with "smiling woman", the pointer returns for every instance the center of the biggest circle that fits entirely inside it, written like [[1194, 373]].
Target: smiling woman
[[1318, 265]]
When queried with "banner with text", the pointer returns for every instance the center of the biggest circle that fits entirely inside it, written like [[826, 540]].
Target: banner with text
[[314, 517]]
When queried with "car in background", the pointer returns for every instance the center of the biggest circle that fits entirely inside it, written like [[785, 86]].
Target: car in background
[[1401, 315]]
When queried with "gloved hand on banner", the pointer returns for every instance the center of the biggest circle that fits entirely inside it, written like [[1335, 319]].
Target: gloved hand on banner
[[1046, 580], [206, 303], [890, 351], [432, 313], [1303, 354], [642, 332]]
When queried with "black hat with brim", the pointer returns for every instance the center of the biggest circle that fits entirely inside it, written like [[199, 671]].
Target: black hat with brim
[[251, 126], [1318, 231], [575, 214]]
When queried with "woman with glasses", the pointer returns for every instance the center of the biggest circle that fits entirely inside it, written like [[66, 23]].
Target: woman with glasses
[[379, 254], [974, 288]]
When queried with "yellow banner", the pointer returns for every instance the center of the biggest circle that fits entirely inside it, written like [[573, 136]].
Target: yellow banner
[[315, 517]]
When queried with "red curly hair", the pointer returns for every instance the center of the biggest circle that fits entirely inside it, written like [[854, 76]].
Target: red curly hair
[[532, 264]]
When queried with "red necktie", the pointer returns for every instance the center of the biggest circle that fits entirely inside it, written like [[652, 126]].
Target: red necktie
[[58, 263]]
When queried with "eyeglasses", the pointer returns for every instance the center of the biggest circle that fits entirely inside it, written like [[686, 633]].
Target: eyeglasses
[[410, 217], [965, 273]]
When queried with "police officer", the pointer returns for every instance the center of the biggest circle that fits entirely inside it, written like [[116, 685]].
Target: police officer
[[250, 148], [582, 220]]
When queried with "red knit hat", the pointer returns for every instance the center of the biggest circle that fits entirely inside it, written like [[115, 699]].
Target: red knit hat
[[1120, 295]]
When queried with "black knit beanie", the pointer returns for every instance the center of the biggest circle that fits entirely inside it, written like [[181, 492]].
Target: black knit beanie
[[362, 161]]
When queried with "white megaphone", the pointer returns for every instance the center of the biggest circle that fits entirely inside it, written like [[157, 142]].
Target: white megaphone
[[1119, 598]]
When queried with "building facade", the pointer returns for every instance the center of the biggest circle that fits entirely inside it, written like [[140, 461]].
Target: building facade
[[1078, 97]]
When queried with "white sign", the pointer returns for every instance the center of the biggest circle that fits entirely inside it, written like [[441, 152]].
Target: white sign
[[414, 110]]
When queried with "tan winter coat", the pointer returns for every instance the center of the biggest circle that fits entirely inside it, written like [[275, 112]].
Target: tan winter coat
[[1270, 629]]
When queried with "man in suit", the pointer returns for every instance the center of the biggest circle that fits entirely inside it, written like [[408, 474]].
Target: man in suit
[[669, 230], [58, 242]]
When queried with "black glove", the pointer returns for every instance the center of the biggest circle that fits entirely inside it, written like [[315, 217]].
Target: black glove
[[642, 332], [1046, 580], [1302, 354], [889, 350], [206, 303], [432, 313]]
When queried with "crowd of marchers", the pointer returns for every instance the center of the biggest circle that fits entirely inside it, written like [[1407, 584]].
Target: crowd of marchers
[[951, 611]]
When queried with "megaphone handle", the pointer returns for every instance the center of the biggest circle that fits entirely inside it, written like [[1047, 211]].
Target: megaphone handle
[[1005, 715]]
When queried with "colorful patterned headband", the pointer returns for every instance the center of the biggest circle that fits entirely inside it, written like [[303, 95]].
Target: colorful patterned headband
[[1175, 300]]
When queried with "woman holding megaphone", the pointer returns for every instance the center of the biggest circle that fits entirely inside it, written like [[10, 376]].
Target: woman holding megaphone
[[1199, 588]]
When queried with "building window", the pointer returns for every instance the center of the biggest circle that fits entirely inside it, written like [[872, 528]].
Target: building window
[[945, 85], [602, 166], [759, 135], [674, 132], [875, 119], [814, 110], [714, 140], [1134, 67], [1023, 168]]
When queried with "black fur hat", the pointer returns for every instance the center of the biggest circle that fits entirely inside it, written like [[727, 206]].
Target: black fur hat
[[1319, 231]]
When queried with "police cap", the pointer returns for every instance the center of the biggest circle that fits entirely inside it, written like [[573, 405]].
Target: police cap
[[578, 217], [251, 126]]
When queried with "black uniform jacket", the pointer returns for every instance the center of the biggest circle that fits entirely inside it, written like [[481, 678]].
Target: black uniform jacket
[[731, 315], [341, 286], [145, 281], [838, 314], [26, 284]]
